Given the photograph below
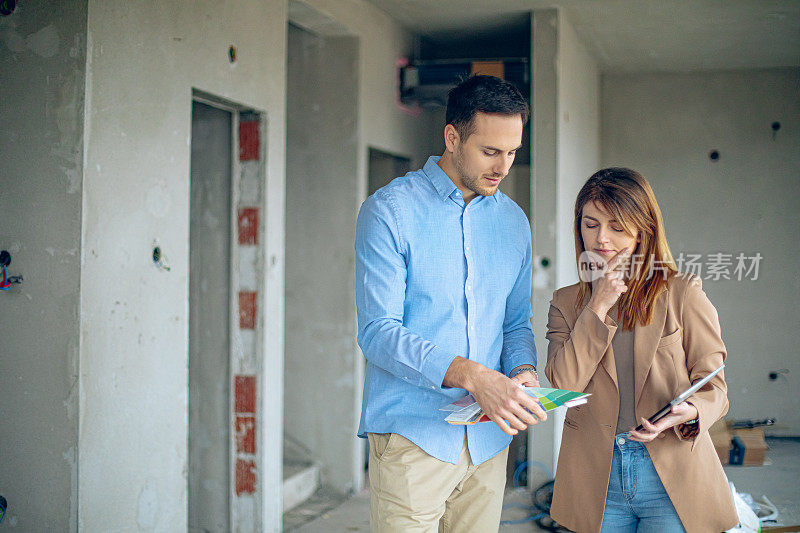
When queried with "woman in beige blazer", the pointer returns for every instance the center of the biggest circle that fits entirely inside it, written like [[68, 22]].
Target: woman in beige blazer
[[634, 333]]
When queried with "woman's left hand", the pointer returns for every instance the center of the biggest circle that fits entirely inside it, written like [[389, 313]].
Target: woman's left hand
[[683, 412]]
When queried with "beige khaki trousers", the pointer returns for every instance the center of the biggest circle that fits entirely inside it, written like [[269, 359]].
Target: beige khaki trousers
[[410, 491]]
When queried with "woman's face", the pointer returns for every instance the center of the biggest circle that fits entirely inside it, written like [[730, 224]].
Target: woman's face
[[603, 234]]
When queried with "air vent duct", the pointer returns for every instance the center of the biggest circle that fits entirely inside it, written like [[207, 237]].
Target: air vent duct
[[427, 82]]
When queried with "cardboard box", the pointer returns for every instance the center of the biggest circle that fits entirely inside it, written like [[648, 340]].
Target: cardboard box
[[489, 68], [745, 447], [755, 447]]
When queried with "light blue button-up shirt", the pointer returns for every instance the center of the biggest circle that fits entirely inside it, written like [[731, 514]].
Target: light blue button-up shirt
[[436, 279]]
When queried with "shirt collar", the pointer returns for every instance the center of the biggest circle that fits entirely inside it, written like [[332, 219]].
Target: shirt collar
[[441, 181], [438, 177]]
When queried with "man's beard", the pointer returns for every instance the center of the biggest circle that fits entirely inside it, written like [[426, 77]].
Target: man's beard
[[472, 183]]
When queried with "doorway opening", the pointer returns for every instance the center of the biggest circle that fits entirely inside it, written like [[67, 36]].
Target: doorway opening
[[383, 167], [226, 450], [322, 385], [209, 309]]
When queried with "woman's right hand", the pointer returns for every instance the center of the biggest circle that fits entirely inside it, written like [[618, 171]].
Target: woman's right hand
[[607, 289]]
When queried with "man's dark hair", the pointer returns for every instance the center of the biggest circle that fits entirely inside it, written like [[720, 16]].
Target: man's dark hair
[[485, 94]]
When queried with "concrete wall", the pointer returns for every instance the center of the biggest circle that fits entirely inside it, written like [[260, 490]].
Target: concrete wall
[[578, 157], [321, 186], [544, 174], [109, 195], [384, 124], [566, 128], [42, 71], [144, 58], [665, 125], [578, 138]]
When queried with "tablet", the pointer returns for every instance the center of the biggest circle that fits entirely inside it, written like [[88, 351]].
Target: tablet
[[680, 398]]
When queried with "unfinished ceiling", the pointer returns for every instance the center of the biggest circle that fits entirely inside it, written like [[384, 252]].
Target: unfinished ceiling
[[632, 35]]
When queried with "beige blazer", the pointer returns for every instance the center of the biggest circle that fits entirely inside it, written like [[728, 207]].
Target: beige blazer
[[682, 344]]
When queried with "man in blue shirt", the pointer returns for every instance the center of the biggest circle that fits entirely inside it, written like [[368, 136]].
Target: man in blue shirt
[[443, 285]]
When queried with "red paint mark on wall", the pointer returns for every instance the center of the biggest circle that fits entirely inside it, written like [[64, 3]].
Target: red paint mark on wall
[[246, 434], [248, 141], [245, 394], [248, 225], [247, 310], [245, 477]]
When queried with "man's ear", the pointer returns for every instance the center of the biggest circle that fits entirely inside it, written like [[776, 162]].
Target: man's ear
[[451, 138]]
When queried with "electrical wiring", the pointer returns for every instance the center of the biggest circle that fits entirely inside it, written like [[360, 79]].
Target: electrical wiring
[[529, 518]]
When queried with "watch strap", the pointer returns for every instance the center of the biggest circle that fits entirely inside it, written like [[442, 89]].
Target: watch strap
[[523, 368]]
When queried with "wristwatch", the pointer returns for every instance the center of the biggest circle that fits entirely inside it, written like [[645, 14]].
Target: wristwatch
[[524, 368]]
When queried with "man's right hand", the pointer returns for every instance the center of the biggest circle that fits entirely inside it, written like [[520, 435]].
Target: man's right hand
[[501, 399]]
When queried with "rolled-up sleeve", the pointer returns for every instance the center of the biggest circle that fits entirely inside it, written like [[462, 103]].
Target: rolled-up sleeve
[[518, 344], [380, 293]]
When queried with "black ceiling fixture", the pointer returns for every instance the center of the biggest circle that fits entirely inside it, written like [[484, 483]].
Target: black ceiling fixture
[[7, 7], [775, 127]]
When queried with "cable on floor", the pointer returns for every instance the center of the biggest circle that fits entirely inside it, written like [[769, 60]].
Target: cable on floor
[[542, 497]]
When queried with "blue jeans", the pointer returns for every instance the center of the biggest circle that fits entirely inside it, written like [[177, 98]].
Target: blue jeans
[[636, 499]]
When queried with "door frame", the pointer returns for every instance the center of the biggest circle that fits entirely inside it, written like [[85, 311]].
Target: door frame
[[254, 454]]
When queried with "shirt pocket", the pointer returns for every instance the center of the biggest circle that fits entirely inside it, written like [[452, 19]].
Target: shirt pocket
[[501, 268], [672, 338], [671, 359]]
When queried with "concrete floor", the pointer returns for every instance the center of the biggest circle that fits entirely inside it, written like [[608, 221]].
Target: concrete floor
[[352, 515], [779, 481]]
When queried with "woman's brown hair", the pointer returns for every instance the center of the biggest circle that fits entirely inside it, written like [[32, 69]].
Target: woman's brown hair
[[626, 195]]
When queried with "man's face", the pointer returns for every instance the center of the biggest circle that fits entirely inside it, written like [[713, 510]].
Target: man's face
[[485, 158]]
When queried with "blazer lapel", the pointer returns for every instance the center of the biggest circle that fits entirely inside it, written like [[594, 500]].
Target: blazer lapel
[[608, 358], [645, 343], [608, 363]]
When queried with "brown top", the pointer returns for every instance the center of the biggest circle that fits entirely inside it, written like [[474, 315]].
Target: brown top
[[622, 344]]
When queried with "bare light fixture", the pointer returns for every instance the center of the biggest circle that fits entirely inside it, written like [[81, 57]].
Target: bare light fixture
[[7, 7], [775, 127]]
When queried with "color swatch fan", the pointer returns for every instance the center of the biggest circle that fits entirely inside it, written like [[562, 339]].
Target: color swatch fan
[[466, 411]]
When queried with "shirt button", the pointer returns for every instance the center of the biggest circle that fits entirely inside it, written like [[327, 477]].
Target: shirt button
[[620, 441], [467, 248], [472, 328]]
